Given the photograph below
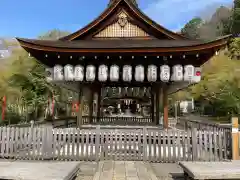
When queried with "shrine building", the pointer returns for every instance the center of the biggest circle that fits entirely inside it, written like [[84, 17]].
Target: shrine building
[[123, 48]]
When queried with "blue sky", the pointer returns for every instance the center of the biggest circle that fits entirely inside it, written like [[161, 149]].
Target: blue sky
[[31, 18]]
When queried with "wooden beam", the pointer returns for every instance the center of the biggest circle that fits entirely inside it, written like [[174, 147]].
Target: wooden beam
[[80, 109], [70, 85], [90, 104], [177, 86], [99, 99], [158, 92], [153, 104], [165, 106]]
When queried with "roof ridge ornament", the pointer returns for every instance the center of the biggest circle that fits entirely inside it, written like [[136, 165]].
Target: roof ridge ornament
[[134, 2]]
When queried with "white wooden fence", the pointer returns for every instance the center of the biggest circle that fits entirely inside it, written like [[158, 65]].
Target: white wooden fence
[[154, 145]]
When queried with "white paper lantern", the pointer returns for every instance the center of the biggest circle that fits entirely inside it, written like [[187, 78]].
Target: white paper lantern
[[114, 73], [49, 74], [58, 73], [90, 73], [139, 73], [165, 73], [102, 73], [78, 73], [152, 73], [189, 72], [68, 72], [127, 73], [177, 73]]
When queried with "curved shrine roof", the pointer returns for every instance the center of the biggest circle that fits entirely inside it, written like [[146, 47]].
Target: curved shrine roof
[[156, 39], [122, 45]]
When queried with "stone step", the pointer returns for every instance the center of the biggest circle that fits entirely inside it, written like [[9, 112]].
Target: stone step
[[124, 170]]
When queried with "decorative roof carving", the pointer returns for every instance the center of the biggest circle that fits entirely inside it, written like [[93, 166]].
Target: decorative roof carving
[[122, 27], [122, 19]]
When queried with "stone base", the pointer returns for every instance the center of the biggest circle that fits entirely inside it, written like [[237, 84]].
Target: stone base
[[38, 170]]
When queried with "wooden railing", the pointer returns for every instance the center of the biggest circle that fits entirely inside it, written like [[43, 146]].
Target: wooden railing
[[72, 121], [142, 143]]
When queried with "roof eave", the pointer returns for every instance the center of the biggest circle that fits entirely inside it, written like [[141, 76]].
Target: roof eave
[[217, 44]]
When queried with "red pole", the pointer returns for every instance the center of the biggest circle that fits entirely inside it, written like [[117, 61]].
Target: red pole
[[3, 107]]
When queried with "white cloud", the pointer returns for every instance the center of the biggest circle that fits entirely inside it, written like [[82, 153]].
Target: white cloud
[[173, 14]]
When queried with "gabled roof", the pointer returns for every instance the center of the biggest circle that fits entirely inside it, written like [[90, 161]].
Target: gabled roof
[[143, 20]]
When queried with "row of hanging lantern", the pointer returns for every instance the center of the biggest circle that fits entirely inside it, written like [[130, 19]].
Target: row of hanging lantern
[[70, 73]]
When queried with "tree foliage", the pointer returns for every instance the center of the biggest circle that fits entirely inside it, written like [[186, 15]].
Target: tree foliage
[[234, 49], [191, 29], [235, 29], [220, 84], [218, 25], [219, 87], [24, 84]]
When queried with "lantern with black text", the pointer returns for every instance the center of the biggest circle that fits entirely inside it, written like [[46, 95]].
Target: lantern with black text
[[114, 73], [177, 73], [102, 73], [152, 73], [49, 74], [68, 72], [90, 73], [78, 73], [188, 72], [127, 73], [58, 73], [165, 73], [139, 73]]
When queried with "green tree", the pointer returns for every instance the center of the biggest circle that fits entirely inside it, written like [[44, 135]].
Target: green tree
[[23, 82], [218, 25], [191, 29], [221, 21], [219, 87], [234, 48], [235, 29]]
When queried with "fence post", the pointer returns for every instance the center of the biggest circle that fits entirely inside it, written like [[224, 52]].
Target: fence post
[[32, 123], [66, 123], [47, 141], [194, 143], [145, 147], [235, 143], [97, 142]]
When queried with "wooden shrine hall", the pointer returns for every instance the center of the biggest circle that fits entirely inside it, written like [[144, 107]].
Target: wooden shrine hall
[[124, 48]]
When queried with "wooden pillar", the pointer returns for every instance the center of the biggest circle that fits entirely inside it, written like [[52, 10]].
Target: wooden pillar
[[165, 107], [235, 139], [99, 99], [152, 105], [90, 105], [161, 103], [80, 109], [158, 104]]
